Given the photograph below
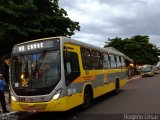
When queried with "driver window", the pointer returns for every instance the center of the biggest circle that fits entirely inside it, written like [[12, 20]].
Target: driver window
[[71, 66]]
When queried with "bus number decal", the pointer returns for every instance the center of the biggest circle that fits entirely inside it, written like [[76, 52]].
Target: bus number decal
[[21, 99], [71, 91]]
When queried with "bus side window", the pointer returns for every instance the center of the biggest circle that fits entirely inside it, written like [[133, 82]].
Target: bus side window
[[106, 63], [118, 61], [71, 67], [123, 62], [86, 59], [97, 60], [113, 61]]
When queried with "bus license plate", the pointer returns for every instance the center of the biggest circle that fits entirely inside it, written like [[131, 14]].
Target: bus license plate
[[32, 109]]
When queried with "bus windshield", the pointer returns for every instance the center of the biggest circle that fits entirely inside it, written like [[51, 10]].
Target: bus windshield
[[35, 73]]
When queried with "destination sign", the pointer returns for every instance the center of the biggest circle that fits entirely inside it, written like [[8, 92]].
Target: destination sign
[[36, 45]]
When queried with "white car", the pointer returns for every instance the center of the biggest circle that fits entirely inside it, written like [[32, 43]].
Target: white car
[[147, 70]]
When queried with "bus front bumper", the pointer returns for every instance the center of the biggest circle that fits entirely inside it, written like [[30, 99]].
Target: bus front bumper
[[57, 105]]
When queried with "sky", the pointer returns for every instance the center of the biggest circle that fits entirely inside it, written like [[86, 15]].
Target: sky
[[103, 19]]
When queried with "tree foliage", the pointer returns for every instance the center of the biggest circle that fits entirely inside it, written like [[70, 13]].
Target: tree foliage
[[23, 20], [137, 47]]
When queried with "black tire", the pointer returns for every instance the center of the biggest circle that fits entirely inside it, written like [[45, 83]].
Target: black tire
[[117, 87], [87, 98]]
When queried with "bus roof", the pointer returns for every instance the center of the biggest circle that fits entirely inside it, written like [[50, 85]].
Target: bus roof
[[109, 50]]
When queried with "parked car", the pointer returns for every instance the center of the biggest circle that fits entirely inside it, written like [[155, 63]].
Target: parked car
[[158, 65], [147, 70], [156, 71]]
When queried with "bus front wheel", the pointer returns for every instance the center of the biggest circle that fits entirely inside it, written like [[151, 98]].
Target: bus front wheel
[[87, 98]]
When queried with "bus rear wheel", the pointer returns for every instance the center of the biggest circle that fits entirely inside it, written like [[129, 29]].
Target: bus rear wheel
[[117, 86], [87, 98]]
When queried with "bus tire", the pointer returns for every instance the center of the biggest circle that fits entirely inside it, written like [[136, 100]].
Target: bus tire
[[117, 87], [88, 97]]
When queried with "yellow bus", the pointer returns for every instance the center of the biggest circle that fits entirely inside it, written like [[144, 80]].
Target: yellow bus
[[59, 73]]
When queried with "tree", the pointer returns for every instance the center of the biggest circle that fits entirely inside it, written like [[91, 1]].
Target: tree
[[116, 43], [23, 20], [137, 47]]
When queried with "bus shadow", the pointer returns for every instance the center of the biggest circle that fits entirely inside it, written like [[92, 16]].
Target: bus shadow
[[66, 115], [106, 96]]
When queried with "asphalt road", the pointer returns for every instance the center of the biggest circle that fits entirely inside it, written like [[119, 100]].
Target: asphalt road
[[140, 96]]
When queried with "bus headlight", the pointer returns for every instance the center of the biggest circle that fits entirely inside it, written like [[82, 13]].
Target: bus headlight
[[13, 98], [56, 95]]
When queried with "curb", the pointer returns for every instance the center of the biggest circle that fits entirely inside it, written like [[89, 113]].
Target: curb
[[135, 78]]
